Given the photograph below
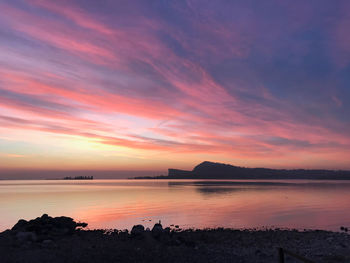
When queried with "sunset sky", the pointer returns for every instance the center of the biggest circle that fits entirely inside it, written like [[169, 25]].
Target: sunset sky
[[147, 85]]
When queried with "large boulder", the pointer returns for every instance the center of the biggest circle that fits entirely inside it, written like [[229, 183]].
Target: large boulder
[[45, 227], [137, 230], [26, 236], [157, 230], [64, 225], [20, 225]]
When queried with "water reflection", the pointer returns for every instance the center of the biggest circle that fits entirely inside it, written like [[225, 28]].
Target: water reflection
[[191, 203], [225, 187]]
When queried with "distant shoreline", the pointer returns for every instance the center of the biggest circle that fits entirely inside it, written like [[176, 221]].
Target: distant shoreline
[[232, 178], [78, 178], [211, 170]]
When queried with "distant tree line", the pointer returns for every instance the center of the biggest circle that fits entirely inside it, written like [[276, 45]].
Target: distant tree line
[[79, 178]]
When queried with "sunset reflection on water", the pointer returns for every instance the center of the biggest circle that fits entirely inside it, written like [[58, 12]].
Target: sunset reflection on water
[[200, 204]]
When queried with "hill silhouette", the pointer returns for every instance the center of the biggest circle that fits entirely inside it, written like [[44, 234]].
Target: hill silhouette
[[212, 170]]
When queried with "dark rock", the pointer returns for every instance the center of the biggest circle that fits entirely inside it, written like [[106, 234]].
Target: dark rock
[[65, 224], [45, 227], [20, 225], [190, 243], [208, 245], [177, 242], [137, 230], [45, 217], [82, 224], [47, 242], [26, 236], [157, 230]]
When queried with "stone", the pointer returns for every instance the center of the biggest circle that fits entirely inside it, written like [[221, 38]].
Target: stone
[[137, 230], [26, 236], [47, 242], [45, 227], [157, 230], [45, 217], [19, 225], [82, 224]]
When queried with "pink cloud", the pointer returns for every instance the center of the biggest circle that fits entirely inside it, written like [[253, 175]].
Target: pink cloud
[[196, 113]]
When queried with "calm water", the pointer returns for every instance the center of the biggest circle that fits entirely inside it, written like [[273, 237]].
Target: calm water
[[123, 203]]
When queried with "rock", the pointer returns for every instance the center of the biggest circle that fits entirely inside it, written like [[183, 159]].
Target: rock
[[157, 230], [66, 224], [60, 231], [6, 232], [177, 242], [137, 230], [330, 239], [47, 242], [45, 217], [19, 225], [45, 227], [82, 224], [26, 236]]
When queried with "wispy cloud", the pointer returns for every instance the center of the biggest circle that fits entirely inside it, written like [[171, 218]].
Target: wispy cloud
[[232, 81], [12, 155]]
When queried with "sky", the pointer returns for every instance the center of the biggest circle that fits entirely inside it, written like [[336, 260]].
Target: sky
[[148, 85]]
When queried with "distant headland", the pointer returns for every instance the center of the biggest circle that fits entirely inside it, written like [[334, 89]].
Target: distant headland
[[212, 170], [78, 178]]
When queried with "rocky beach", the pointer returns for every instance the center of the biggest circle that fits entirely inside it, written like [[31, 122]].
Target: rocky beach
[[61, 239]]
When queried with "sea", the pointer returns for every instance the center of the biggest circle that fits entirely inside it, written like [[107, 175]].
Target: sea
[[239, 204]]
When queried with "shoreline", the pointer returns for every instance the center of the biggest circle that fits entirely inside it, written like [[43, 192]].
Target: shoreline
[[61, 239]]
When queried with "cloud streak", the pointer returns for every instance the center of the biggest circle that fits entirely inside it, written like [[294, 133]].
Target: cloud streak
[[239, 82]]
